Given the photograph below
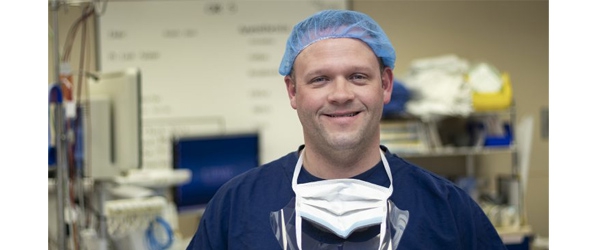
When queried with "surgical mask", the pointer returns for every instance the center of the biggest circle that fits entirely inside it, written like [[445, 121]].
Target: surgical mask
[[341, 205]]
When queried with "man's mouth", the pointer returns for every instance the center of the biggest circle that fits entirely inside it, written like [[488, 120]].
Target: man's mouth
[[344, 115]]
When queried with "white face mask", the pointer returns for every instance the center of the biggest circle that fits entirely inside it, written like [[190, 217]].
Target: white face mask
[[341, 205]]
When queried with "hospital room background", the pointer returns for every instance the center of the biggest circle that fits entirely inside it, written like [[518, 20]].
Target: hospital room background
[[212, 83]]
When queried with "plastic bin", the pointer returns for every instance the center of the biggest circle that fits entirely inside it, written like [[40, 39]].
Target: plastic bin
[[494, 101], [504, 140]]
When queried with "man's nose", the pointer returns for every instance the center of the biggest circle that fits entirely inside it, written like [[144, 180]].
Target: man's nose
[[341, 91]]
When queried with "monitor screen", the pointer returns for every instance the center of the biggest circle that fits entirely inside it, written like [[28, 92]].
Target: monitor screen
[[212, 160]]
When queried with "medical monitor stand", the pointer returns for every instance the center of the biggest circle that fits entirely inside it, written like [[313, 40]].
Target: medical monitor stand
[[113, 142]]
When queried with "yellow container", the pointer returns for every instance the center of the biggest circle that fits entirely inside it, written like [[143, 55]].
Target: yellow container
[[494, 101]]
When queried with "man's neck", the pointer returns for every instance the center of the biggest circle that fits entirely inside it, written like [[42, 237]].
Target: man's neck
[[335, 164]]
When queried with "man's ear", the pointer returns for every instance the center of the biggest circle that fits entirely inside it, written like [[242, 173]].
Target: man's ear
[[387, 84], [291, 89]]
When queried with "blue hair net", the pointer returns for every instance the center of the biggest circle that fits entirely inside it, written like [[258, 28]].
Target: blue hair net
[[337, 24]]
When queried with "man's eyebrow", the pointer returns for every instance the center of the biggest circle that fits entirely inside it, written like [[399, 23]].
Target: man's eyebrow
[[363, 68]]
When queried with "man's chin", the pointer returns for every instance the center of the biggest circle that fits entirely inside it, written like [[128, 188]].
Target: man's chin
[[345, 142]]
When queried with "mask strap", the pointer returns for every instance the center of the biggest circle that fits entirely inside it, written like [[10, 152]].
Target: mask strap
[[382, 229], [297, 169], [386, 166]]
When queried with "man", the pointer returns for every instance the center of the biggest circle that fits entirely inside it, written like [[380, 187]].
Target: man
[[341, 189]]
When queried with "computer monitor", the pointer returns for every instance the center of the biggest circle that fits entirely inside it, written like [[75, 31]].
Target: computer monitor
[[112, 123], [213, 160]]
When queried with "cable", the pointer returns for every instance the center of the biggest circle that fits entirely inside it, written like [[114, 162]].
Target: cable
[[72, 33], [76, 149], [152, 241], [82, 53]]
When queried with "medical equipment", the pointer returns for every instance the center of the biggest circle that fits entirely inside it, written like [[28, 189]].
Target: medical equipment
[[153, 242], [101, 141], [137, 223], [114, 113], [212, 161], [127, 215]]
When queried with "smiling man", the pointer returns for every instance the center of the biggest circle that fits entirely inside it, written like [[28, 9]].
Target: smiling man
[[341, 189], [338, 88]]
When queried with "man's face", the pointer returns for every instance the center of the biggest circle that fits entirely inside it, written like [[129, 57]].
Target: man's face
[[339, 92]]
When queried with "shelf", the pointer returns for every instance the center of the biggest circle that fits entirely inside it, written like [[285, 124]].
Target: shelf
[[454, 151], [475, 114], [479, 133], [505, 113]]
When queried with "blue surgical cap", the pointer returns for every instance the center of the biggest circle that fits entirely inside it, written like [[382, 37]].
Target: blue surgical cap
[[337, 24]]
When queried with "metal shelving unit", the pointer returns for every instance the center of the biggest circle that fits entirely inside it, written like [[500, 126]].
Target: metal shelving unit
[[470, 152]]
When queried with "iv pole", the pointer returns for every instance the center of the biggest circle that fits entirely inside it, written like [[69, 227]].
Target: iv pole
[[61, 151]]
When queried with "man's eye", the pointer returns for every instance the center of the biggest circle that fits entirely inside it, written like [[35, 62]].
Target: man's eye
[[318, 79], [358, 77]]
